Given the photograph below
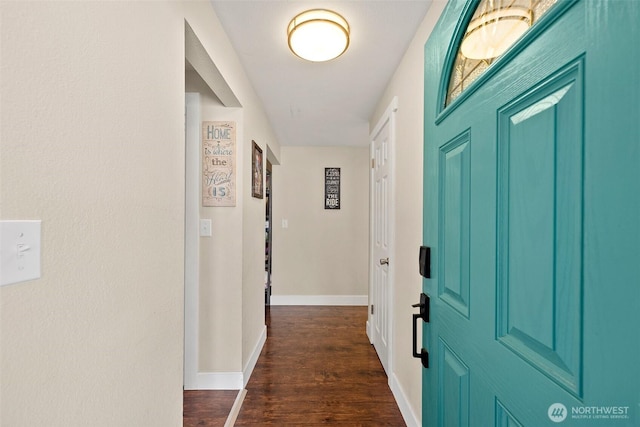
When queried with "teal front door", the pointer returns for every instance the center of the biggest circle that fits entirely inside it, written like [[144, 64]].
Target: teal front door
[[532, 214]]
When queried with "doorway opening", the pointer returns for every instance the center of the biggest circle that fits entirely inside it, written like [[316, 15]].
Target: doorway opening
[[205, 91], [268, 252]]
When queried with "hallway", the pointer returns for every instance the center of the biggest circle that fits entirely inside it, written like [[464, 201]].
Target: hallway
[[316, 368]]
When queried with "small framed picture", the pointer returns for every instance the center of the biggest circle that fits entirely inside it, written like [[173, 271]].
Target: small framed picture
[[256, 172], [332, 188]]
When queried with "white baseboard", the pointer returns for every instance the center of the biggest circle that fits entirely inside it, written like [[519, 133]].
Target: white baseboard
[[235, 409], [410, 417], [229, 380], [253, 359], [218, 381], [359, 300]]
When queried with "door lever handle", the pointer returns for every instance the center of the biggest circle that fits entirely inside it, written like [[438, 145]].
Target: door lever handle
[[424, 307], [384, 261], [423, 354]]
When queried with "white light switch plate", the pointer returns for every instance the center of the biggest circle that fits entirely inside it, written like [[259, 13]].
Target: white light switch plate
[[19, 251], [205, 228]]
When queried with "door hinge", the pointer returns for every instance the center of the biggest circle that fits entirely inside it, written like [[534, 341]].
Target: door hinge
[[372, 309], [373, 163]]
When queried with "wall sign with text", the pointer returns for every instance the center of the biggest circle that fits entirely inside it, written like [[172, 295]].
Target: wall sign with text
[[332, 188], [218, 163]]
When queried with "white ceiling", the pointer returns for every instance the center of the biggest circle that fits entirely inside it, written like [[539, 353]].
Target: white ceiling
[[320, 104]]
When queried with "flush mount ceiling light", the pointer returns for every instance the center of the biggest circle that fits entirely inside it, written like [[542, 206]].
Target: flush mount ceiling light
[[318, 35], [490, 34]]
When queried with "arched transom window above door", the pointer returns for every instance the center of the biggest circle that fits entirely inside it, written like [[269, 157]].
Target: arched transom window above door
[[493, 28]]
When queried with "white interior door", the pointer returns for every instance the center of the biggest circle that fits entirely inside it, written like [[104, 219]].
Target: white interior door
[[191, 236], [382, 237]]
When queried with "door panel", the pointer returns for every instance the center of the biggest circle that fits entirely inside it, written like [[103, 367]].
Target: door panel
[[540, 230], [455, 161], [532, 200], [453, 391]]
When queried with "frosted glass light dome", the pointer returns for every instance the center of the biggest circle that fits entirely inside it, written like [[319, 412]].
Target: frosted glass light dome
[[318, 35]]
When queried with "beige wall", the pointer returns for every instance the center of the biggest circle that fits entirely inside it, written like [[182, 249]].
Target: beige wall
[[322, 252], [92, 143], [408, 85]]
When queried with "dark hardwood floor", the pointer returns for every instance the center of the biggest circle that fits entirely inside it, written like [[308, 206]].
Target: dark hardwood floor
[[316, 368]]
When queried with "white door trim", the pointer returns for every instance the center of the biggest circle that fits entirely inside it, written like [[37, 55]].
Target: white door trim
[[191, 239], [389, 117]]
